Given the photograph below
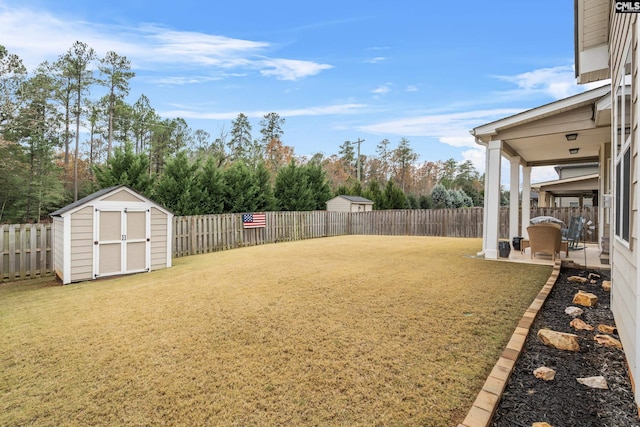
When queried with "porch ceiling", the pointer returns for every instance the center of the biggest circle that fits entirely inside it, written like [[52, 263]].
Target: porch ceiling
[[538, 136]]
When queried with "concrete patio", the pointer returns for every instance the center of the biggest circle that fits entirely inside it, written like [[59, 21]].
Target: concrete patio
[[575, 255]]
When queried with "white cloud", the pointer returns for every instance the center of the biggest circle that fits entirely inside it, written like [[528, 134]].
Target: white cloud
[[376, 60], [451, 129], [477, 156], [382, 89], [289, 69], [230, 115], [23, 31], [411, 88], [543, 174], [556, 82]]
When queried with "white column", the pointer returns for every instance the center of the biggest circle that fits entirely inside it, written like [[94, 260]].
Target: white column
[[526, 200], [492, 199], [485, 210], [514, 198]]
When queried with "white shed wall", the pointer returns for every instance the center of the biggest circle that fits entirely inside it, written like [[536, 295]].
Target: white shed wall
[[58, 246], [339, 204], [159, 239], [82, 244]]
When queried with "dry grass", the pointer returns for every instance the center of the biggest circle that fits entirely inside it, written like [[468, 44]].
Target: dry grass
[[343, 331]]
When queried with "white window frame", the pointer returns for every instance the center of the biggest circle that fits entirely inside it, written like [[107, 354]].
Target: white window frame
[[623, 135]]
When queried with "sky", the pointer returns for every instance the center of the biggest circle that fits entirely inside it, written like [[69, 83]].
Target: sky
[[427, 71]]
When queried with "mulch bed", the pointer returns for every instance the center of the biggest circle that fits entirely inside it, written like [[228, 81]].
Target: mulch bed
[[563, 401]]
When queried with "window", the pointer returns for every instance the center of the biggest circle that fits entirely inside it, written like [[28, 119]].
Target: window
[[623, 119]]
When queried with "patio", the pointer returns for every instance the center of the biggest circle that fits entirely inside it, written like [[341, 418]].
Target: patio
[[575, 255]]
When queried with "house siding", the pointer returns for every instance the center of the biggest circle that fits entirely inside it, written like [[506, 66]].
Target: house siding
[[82, 244], [624, 271], [158, 239]]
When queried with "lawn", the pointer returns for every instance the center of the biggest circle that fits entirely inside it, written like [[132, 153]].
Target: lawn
[[341, 331]]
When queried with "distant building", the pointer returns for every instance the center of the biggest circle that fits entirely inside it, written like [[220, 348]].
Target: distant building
[[349, 204], [577, 186]]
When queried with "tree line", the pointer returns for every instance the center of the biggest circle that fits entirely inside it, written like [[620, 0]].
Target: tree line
[[69, 128]]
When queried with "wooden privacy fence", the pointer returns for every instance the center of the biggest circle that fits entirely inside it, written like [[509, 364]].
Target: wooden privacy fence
[[25, 249], [208, 233]]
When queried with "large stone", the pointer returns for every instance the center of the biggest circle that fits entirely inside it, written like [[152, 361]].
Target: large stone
[[606, 329], [573, 311], [608, 341], [606, 285], [585, 299], [594, 276], [544, 373], [580, 325], [577, 279], [559, 340], [594, 382], [541, 424]]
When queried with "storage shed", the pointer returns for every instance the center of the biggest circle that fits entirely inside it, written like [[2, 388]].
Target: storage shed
[[349, 204], [110, 232]]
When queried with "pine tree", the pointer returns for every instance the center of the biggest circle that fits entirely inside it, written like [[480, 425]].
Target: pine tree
[[125, 167]]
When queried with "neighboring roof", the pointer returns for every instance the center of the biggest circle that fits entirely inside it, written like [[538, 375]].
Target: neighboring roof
[[97, 195], [570, 187], [356, 199], [589, 165], [566, 180]]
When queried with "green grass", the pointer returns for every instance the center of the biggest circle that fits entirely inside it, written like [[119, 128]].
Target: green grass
[[344, 331]]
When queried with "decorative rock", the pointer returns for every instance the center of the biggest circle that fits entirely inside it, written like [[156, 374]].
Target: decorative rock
[[606, 285], [594, 382], [585, 299], [544, 373], [580, 325], [577, 279], [543, 424], [594, 276], [559, 340], [608, 341], [573, 311], [606, 329]]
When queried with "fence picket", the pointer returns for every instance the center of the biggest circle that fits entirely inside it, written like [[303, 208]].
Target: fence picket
[[25, 250]]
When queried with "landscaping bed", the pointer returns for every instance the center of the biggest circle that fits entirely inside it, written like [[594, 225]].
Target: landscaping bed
[[564, 401]]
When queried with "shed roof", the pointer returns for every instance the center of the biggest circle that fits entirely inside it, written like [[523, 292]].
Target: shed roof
[[97, 195], [357, 199]]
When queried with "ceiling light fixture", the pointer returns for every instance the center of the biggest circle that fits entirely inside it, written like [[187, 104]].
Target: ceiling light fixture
[[573, 150], [571, 136]]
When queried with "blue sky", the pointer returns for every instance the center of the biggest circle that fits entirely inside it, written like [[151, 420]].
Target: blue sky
[[426, 71]]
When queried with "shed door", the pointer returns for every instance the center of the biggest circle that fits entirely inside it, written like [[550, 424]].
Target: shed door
[[122, 242]]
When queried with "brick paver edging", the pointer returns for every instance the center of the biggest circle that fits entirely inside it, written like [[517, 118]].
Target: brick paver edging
[[481, 413]]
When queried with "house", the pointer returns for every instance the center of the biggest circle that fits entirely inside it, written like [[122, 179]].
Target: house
[[113, 231], [349, 204], [576, 186], [598, 125], [574, 130], [606, 41]]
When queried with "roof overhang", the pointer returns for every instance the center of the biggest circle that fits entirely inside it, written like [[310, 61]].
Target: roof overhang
[[539, 136], [592, 23]]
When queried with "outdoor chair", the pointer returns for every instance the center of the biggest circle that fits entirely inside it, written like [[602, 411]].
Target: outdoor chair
[[545, 238], [574, 232]]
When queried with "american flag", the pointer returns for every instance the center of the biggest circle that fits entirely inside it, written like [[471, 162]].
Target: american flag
[[255, 220]]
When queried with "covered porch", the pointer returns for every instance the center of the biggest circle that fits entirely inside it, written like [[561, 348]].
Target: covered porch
[[569, 131]]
